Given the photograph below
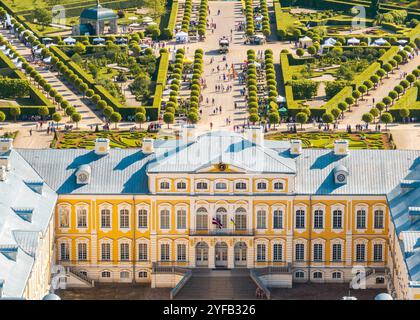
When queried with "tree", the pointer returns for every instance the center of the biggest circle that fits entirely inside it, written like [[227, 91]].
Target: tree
[[386, 118], [327, 118], [356, 95], [374, 112], [168, 118], [393, 95], [193, 117], [70, 110], [367, 118], [343, 106], [43, 16], [76, 118], [387, 101], [311, 50], [253, 118], [404, 113], [15, 112], [108, 111], [56, 117], [362, 89], [115, 118], [300, 52], [43, 111], [273, 118], [335, 112], [2, 116], [301, 118], [140, 118]]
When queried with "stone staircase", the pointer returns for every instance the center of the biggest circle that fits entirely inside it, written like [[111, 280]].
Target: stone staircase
[[218, 284]]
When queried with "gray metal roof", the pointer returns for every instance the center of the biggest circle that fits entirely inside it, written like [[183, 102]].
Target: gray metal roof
[[16, 232]]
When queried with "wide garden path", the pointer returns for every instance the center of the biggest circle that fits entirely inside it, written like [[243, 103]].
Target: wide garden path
[[70, 94]]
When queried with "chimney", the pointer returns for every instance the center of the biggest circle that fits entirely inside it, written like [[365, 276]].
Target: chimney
[[255, 134], [148, 145], [6, 144], [101, 146], [189, 133], [295, 147], [3, 173], [341, 147]]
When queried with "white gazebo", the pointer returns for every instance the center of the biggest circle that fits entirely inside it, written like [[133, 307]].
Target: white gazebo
[[353, 41], [330, 42], [69, 41], [305, 42], [181, 37]]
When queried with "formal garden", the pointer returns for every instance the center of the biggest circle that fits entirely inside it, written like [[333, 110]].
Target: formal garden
[[326, 140]]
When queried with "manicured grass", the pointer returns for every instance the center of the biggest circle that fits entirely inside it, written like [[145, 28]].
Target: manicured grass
[[326, 140], [9, 134], [86, 139]]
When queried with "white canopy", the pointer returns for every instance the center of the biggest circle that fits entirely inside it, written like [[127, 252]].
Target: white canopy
[[181, 36], [132, 18], [134, 25], [380, 42], [304, 39], [330, 41], [99, 40], [401, 48], [353, 41], [38, 51], [47, 60], [258, 18], [2, 48], [281, 99], [402, 41], [69, 40], [147, 19], [151, 23]]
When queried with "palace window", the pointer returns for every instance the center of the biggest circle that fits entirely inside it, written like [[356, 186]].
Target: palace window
[[240, 219], [278, 219], [277, 252], [105, 218], [336, 252], [299, 274], [261, 219], [181, 219], [221, 186], [337, 219], [142, 218], [278, 186], [202, 219], [124, 219], [377, 252], [124, 274], [106, 252], [379, 219], [201, 186], [181, 250], [361, 219], [124, 251], [261, 252], [318, 248], [64, 252], [106, 274], [143, 252], [165, 219], [82, 251], [300, 252], [318, 219], [164, 185], [181, 185], [64, 217], [300, 219], [240, 186], [317, 275], [143, 274], [164, 252], [82, 218], [261, 186], [221, 216], [360, 252], [336, 275]]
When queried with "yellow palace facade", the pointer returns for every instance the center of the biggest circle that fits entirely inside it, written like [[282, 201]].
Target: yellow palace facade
[[228, 201]]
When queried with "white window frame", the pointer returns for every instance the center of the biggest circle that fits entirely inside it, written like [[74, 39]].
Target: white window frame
[[185, 209], [258, 181], [375, 209], [120, 251], [145, 208], [181, 181], [337, 207], [120, 208], [64, 206], [107, 242], [283, 182], [105, 206], [241, 181], [160, 181], [82, 242], [364, 208], [282, 210], [79, 208]]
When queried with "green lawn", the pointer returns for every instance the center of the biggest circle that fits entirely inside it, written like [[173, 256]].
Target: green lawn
[[326, 140], [86, 139]]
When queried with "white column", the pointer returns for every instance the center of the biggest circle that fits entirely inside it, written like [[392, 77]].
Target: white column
[[211, 257], [289, 248], [191, 254], [250, 255], [231, 259]]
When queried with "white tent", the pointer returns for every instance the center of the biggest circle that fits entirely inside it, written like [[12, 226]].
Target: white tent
[[69, 40], [2, 48], [305, 42], [132, 18], [353, 41], [152, 23], [98, 40], [181, 37], [401, 48], [47, 60], [147, 19], [402, 42], [134, 25], [38, 51], [330, 41], [281, 99], [380, 42]]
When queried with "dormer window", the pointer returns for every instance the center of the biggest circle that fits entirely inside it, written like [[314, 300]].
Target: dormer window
[[201, 186], [340, 174], [83, 174], [164, 185]]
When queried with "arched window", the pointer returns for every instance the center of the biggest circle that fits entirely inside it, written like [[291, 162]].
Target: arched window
[[143, 251], [317, 275], [299, 274], [240, 186], [379, 219], [278, 186], [165, 254], [318, 250], [201, 185], [124, 274], [181, 219], [318, 219], [277, 252], [64, 251], [221, 216], [360, 252], [105, 218], [278, 219], [106, 274], [379, 280], [240, 219], [261, 252], [81, 218], [201, 219], [300, 252], [142, 218], [106, 252], [165, 222], [336, 252], [261, 219], [64, 217], [300, 219], [361, 219], [181, 185], [82, 251], [164, 185], [124, 251], [337, 219], [221, 186], [124, 219], [336, 275], [261, 186], [377, 252], [143, 274]]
